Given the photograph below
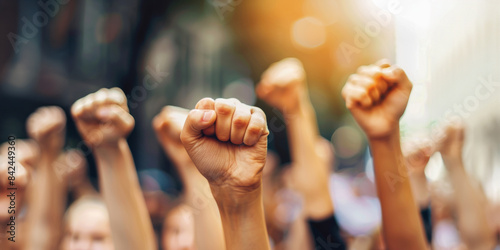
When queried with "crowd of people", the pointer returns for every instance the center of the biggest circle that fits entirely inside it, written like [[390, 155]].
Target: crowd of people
[[235, 194]]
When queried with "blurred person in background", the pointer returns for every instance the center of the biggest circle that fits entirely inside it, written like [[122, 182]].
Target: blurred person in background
[[87, 226], [471, 205], [27, 155]]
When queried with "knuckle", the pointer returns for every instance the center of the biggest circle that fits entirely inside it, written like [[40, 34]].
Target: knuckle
[[240, 121], [224, 108], [254, 130]]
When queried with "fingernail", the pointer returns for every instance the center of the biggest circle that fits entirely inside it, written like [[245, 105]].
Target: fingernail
[[207, 116]]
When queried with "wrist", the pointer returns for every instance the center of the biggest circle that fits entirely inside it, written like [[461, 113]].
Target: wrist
[[231, 200], [392, 138], [105, 150], [301, 109]]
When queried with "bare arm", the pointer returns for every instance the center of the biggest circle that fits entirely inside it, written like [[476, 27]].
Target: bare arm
[[103, 121], [283, 86], [208, 226], [377, 97], [471, 203], [47, 190], [227, 141]]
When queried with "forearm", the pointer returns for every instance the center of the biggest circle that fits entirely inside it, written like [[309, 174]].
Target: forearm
[[243, 221], [130, 223], [47, 201], [395, 194], [471, 205], [420, 189], [308, 166], [208, 226]]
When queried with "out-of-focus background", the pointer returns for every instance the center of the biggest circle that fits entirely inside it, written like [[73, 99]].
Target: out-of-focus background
[[53, 52]]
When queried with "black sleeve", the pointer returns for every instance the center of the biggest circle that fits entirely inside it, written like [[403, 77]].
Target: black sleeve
[[326, 234], [427, 220]]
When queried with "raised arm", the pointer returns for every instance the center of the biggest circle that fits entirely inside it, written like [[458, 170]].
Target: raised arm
[[377, 96], [227, 141], [473, 222], [283, 86], [103, 120], [47, 202], [209, 234]]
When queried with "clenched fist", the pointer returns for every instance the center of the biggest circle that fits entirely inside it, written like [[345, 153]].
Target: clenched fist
[[47, 126], [377, 96], [168, 125], [102, 118], [283, 85], [451, 145], [227, 141]]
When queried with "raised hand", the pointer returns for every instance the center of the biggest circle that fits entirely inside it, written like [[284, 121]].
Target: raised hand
[[417, 155], [377, 96], [451, 144], [103, 120], [227, 141], [47, 126], [102, 117], [168, 125], [232, 154], [283, 85]]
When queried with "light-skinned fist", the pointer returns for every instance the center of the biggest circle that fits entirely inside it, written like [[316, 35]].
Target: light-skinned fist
[[283, 85], [227, 141], [451, 144], [377, 96], [47, 126], [102, 118], [168, 125]]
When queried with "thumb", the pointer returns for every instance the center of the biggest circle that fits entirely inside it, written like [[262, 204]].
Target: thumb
[[196, 121]]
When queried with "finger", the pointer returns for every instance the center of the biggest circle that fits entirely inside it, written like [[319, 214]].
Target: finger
[[367, 83], [256, 128], [371, 71], [224, 108], [117, 96], [87, 107], [383, 63], [102, 97], [241, 118], [117, 117], [196, 121], [208, 104], [77, 109], [356, 96], [395, 75]]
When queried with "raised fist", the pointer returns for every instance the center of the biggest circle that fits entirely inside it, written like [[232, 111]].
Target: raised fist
[[232, 153], [417, 155], [451, 144], [283, 85], [47, 126], [377, 96], [168, 125], [102, 117]]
